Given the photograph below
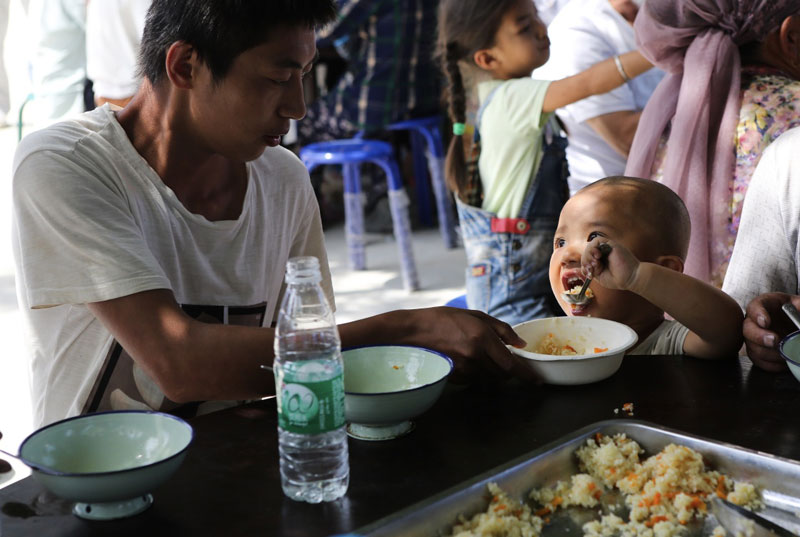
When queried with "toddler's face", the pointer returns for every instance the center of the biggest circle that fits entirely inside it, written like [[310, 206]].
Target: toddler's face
[[589, 214]]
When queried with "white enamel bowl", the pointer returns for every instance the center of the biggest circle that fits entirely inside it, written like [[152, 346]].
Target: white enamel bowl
[[108, 462], [790, 350], [387, 385], [586, 335]]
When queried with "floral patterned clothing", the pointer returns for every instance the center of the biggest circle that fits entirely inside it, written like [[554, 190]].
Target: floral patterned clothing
[[770, 106]]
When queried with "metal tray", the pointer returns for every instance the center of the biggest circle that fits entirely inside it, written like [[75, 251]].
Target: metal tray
[[778, 480]]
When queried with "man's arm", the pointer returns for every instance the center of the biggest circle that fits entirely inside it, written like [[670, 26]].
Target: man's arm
[[195, 361], [617, 129], [189, 360]]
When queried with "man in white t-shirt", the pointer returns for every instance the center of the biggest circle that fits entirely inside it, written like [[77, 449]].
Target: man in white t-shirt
[[113, 32], [764, 272], [150, 242], [600, 128]]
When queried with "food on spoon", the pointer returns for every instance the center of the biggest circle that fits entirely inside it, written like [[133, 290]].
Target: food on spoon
[[576, 289]]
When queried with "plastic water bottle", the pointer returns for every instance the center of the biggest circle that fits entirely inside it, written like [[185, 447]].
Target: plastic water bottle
[[309, 383]]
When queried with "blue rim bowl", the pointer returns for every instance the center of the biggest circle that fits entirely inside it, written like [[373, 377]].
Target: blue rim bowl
[[107, 456]]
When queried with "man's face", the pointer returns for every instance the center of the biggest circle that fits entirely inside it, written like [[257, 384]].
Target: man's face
[[250, 108]]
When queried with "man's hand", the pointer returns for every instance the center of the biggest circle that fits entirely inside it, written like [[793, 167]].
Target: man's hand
[[475, 341], [764, 326], [477, 344]]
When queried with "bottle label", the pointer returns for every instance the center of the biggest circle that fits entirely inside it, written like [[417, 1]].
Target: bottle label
[[307, 405]]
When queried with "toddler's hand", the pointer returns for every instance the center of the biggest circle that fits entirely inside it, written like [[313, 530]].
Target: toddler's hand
[[617, 270]]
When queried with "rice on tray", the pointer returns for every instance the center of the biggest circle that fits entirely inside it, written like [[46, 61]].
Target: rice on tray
[[662, 493]]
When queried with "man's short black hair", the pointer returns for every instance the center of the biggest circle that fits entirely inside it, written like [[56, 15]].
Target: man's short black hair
[[220, 30]]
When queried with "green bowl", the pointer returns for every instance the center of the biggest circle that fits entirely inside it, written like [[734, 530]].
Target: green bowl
[[108, 462], [789, 348], [387, 385]]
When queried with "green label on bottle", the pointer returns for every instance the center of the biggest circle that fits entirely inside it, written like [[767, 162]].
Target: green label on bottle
[[307, 405]]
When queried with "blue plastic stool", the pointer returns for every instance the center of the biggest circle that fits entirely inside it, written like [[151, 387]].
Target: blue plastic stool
[[458, 302], [427, 130], [350, 154]]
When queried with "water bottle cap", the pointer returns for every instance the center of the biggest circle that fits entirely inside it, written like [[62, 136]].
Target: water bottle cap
[[303, 270]]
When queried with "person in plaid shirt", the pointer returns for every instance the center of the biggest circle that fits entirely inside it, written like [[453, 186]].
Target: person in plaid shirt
[[390, 74]]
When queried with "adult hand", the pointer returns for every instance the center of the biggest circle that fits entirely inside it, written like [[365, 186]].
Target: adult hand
[[475, 341], [477, 344], [764, 326]]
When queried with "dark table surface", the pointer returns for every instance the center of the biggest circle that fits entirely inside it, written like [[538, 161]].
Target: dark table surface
[[229, 484]]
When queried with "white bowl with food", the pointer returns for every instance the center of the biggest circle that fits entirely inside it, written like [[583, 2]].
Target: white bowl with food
[[387, 385], [574, 350]]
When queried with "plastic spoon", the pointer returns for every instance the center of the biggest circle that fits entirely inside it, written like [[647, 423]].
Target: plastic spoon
[[580, 298]]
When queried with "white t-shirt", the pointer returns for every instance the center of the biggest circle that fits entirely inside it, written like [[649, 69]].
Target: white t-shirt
[[113, 33], [584, 33], [668, 338], [765, 255], [93, 221], [511, 142], [548, 9]]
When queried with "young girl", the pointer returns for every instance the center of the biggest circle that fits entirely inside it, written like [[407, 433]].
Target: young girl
[[509, 197]]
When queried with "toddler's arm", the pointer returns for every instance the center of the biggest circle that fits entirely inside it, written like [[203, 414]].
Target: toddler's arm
[[713, 318], [600, 78]]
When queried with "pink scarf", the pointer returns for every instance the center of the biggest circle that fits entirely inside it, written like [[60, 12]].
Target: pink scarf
[[696, 43]]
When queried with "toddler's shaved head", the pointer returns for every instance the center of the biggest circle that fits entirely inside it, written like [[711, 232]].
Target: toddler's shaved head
[[652, 207]]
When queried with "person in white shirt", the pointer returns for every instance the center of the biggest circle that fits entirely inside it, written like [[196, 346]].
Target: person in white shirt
[[601, 128], [548, 9], [113, 32], [764, 271], [58, 65], [150, 242]]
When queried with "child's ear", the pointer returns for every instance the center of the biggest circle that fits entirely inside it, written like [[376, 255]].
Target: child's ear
[[485, 59], [671, 262]]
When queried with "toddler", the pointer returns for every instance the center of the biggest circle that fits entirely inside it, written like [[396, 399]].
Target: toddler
[[510, 193], [647, 227]]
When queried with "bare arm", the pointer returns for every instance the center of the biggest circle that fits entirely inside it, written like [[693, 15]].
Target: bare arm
[[195, 361], [475, 341], [188, 359], [713, 318], [617, 129], [600, 78]]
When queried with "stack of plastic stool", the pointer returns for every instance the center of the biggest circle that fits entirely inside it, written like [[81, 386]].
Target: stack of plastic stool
[[351, 154], [427, 129]]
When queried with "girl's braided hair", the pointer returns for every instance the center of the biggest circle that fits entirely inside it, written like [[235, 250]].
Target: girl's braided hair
[[465, 27]]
